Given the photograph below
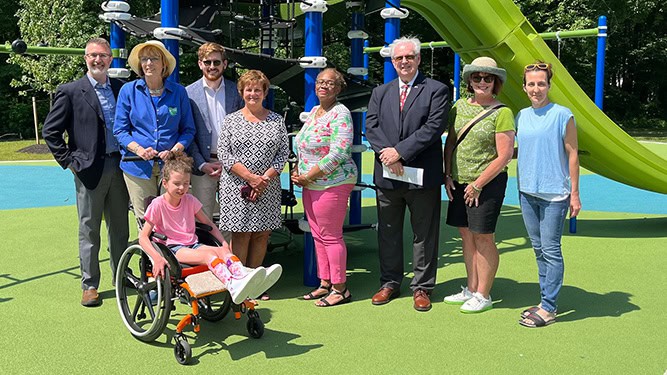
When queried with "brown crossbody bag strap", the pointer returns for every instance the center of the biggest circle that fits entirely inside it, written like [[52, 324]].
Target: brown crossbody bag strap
[[463, 132]]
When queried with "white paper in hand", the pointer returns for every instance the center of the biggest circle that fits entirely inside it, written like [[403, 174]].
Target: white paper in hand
[[410, 174]]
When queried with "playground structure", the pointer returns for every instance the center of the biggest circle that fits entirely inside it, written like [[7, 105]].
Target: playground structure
[[471, 28]]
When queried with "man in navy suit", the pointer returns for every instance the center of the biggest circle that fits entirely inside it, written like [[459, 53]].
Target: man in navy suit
[[212, 98], [84, 109], [406, 118]]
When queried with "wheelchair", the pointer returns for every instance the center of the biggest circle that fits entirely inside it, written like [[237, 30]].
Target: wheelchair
[[145, 303]]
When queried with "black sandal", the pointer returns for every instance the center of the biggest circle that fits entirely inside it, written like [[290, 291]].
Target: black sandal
[[334, 291], [536, 321], [311, 296]]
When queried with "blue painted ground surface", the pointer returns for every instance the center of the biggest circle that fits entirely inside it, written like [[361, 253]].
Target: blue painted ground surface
[[44, 186]]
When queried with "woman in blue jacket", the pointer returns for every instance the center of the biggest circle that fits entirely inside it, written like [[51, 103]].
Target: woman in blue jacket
[[153, 118]]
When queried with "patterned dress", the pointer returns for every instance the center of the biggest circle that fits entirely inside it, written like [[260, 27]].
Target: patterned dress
[[258, 146]]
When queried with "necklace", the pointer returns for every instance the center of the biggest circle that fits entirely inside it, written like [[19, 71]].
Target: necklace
[[156, 91]]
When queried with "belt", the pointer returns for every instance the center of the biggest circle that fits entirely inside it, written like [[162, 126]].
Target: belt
[[112, 154], [213, 156]]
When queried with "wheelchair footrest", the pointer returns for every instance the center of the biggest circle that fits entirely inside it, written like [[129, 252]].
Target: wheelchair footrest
[[204, 284]]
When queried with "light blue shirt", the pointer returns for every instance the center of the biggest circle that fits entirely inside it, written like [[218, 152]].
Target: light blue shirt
[[158, 126], [108, 105], [543, 168]]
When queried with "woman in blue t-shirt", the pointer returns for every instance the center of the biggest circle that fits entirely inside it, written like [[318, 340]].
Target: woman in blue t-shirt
[[548, 180]]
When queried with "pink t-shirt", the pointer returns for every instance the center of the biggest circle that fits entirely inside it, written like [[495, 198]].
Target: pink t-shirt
[[177, 223]]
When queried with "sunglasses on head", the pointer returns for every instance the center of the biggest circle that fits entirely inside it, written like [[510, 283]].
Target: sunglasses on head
[[487, 79], [539, 66], [214, 62]]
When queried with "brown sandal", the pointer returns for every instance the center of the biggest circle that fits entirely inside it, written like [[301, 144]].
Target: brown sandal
[[314, 295]]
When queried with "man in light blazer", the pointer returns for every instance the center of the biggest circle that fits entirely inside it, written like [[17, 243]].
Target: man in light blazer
[[212, 98], [406, 118], [84, 109]]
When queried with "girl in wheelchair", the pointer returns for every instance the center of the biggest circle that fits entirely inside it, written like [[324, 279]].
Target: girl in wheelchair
[[173, 215]]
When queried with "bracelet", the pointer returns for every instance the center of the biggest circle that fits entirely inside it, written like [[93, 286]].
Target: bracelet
[[448, 176], [475, 188], [307, 179]]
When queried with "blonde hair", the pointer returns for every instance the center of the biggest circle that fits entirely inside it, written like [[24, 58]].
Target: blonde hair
[[253, 77]]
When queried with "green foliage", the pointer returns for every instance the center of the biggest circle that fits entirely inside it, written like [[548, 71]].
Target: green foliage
[[61, 23], [636, 61]]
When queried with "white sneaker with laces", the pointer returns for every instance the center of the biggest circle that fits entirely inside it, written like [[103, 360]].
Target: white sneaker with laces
[[459, 298], [477, 304], [242, 288], [273, 273]]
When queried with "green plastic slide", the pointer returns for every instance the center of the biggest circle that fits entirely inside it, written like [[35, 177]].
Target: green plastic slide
[[498, 29]]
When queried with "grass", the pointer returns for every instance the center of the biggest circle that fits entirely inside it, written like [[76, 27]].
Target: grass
[[9, 151]]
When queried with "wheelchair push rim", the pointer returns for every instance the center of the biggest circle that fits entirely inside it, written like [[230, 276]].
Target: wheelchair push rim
[[144, 317]]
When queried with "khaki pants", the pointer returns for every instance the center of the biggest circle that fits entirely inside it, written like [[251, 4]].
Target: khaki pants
[[140, 189]]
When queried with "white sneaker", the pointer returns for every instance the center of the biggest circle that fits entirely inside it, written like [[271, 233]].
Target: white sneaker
[[459, 298], [273, 273], [242, 288], [477, 304]]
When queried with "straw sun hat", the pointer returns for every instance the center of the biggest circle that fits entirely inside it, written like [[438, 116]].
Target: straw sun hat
[[135, 64], [483, 65]]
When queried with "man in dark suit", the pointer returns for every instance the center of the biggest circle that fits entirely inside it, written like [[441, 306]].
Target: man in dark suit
[[84, 109], [406, 118], [212, 98]]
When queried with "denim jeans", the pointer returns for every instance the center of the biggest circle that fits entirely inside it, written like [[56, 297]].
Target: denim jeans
[[544, 222]]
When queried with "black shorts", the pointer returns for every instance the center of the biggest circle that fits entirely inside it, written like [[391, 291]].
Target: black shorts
[[483, 218]]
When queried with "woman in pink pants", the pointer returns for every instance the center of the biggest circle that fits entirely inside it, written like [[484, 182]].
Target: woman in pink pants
[[327, 175]]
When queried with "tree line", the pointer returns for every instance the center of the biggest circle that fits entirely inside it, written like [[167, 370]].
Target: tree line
[[635, 77]]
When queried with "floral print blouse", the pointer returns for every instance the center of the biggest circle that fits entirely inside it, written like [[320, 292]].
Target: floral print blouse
[[327, 143]]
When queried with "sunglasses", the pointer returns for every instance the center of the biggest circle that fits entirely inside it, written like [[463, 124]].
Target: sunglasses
[[214, 62], [540, 66], [407, 57], [487, 79]]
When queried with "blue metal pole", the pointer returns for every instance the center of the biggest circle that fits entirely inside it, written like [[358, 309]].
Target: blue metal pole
[[366, 58], [313, 47], [392, 31], [457, 76], [117, 42], [169, 18], [599, 63], [357, 61]]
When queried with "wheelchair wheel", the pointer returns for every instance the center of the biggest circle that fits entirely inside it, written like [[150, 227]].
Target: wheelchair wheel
[[255, 325], [182, 350], [144, 302], [214, 308]]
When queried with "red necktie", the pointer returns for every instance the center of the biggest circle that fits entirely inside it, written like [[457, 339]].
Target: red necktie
[[404, 94]]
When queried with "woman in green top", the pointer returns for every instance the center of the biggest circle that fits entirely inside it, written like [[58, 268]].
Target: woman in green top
[[476, 177]]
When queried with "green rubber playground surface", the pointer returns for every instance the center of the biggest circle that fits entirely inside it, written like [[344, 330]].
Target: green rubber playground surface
[[611, 309]]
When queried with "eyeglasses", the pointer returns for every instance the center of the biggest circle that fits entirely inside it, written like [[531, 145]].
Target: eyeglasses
[[539, 66], [214, 62], [407, 57], [487, 79], [96, 55], [146, 59], [325, 83]]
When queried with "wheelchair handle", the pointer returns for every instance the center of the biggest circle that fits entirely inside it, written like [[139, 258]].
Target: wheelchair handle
[[138, 158]]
